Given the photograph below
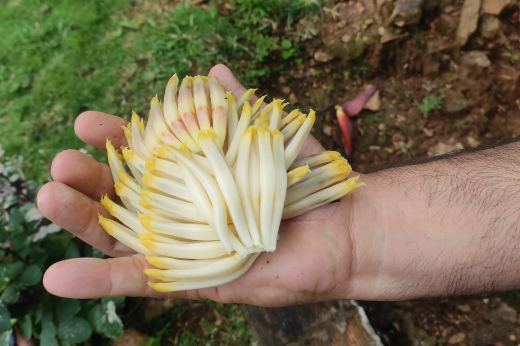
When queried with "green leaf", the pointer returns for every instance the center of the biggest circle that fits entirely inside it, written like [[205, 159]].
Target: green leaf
[[105, 321], [67, 308], [5, 319], [26, 327], [15, 219], [286, 44], [74, 330], [10, 294], [118, 301], [37, 316], [72, 251], [48, 335], [286, 54], [31, 275], [5, 339]]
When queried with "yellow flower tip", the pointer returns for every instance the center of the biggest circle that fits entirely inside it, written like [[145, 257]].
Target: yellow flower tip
[[119, 186], [155, 99], [277, 133], [312, 115], [106, 203], [155, 274], [161, 151], [150, 163], [145, 221], [285, 104], [229, 94], [144, 192], [135, 117], [144, 204], [247, 107], [174, 79], [340, 112], [100, 217], [184, 148], [145, 237], [141, 126], [203, 136], [159, 287], [264, 130]]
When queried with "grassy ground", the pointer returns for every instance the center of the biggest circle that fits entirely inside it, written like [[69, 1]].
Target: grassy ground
[[63, 57]]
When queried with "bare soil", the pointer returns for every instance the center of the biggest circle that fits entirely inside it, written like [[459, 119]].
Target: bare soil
[[479, 85]]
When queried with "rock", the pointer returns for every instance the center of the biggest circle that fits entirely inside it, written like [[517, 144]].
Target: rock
[[505, 313], [472, 142], [373, 103], [468, 21], [476, 58], [496, 6], [293, 99], [346, 38], [286, 90], [327, 129], [407, 12], [322, 57], [154, 307], [131, 337], [396, 138], [444, 148], [464, 308], [489, 26], [456, 338], [427, 132]]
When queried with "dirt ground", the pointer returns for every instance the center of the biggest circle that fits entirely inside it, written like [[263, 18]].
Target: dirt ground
[[467, 67]]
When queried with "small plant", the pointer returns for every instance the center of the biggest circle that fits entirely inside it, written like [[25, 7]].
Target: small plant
[[459, 124], [514, 58], [28, 245], [373, 118], [430, 104]]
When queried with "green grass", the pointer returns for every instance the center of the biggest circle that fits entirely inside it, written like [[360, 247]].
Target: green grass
[[60, 58], [430, 104]]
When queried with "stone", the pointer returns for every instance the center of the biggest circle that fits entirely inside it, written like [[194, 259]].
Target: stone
[[505, 313], [489, 26], [373, 103], [322, 57], [496, 6], [472, 142], [293, 99], [468, 21], [476, 58], [444, 148], [286, 90], [464, 308], [407, 12], [131, 337], [456, 338]]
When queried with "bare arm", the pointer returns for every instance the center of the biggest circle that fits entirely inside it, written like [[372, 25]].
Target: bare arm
[[449, 226]]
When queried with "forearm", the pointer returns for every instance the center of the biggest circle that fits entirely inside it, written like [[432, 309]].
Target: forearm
[[447, 227]]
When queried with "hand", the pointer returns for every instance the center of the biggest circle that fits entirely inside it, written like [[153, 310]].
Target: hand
[[311, 262]]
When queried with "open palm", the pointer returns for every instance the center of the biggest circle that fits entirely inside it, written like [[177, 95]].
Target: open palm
[[311, 262]]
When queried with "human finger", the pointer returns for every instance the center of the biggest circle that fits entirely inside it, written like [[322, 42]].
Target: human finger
[[95, 128], [83, 173], [78, 214]]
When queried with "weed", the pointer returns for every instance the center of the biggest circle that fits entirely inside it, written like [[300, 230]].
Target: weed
[[430, 104], [459, 124], [317, 73], [373, 118], [330, 88], [514, 58]]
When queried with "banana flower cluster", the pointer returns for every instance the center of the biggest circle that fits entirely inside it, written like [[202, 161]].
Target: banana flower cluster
[[205, 183]]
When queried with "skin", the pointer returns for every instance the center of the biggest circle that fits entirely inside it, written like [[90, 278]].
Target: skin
[[439, 228]]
